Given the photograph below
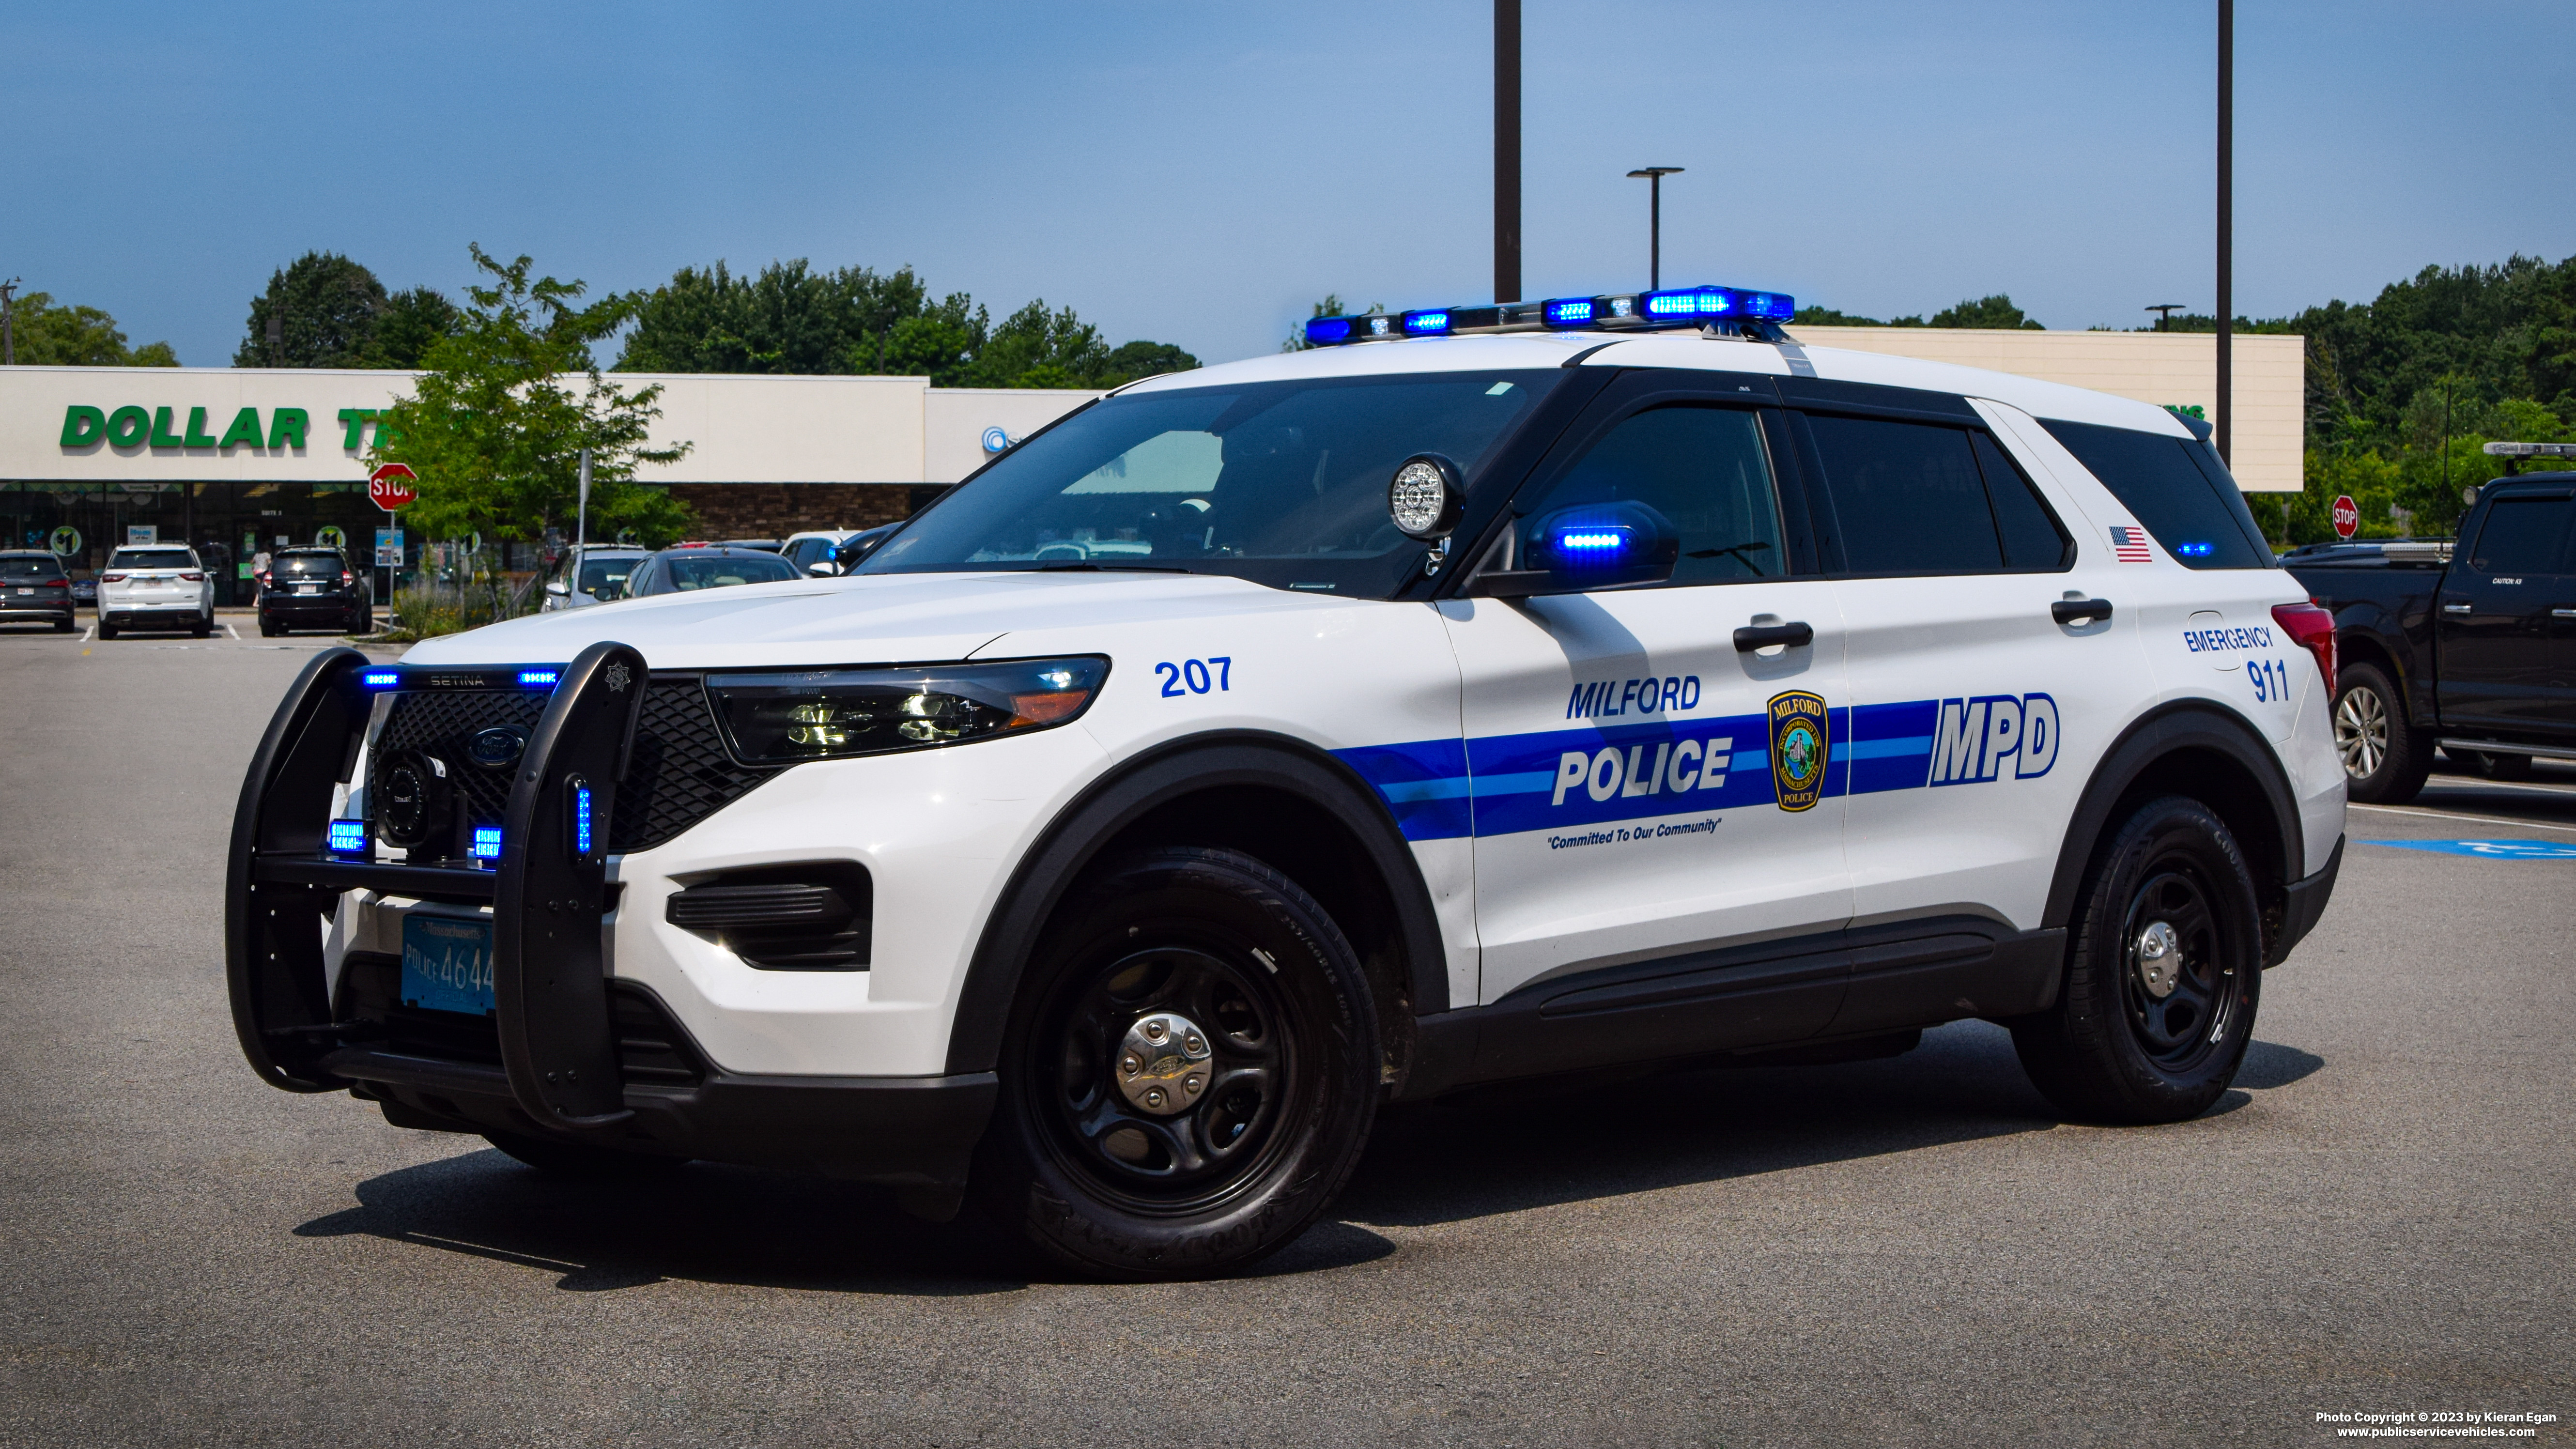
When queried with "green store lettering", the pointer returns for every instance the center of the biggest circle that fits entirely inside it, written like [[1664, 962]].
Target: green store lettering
[[134, 426]]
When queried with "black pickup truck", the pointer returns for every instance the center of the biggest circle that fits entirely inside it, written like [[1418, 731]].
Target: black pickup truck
[[2469, 646]]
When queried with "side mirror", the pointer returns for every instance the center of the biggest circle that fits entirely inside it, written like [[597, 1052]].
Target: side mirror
[[823, 568], [559, 588], [1589, 546]]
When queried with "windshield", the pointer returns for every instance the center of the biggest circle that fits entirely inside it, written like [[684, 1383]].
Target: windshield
[[152, 558], [1283, 483], [29, 568], [605, 578], [720, 572]]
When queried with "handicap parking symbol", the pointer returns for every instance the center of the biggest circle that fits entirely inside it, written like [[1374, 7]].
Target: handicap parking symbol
[[2490, 849]]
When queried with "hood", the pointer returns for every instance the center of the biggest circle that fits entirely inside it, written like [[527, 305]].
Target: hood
[[870, 619]]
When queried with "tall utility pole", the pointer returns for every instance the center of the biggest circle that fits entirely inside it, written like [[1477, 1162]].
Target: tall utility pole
[[8, 330], [1655, 220], [2226, 224], [1507, 150]]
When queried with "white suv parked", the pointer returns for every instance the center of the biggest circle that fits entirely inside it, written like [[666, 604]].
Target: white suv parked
[[155, 586], [1261, 744]]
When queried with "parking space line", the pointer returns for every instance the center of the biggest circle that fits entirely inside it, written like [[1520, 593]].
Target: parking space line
[[89, 633], [2456, 815], [228, 632]]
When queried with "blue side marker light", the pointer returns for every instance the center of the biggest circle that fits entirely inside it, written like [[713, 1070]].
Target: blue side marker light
[[2192, 550], [487, 842], [1428, 322], [1569, 312], [539, 678], [380, 678], [348, 837]]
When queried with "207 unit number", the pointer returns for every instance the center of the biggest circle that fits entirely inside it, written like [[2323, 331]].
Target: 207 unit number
[[1214, 673]]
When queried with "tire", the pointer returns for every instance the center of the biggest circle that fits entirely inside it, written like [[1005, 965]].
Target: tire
[[106, 630], [1173, 947], [269, 628], [2384, 759], [2488, 766], [2112, 1050], [201, 629], [580, 1160], [62, 626]]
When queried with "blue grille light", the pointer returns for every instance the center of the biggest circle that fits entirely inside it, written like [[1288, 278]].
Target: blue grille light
[[1428, 322], [581, 820], [1326, 331], [380, 679], [348, 837], [487, 842], [539, 678], [1569, 312]]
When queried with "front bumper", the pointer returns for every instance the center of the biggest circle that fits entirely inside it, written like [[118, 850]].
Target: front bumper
[[561, 1055]]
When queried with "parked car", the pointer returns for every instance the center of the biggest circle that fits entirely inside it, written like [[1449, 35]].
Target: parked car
[[155, 586], [817, 546], [705, 566], [2465, 647], [35, 590], [591, 573], [85, 593], [854, 550], [313, 588]]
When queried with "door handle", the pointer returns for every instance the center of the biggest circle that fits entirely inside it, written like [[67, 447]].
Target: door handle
[[2455, 608], [1763, 636], [2077, 611]]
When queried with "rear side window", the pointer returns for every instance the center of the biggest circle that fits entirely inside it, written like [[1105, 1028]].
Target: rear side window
[[2525, 536], [1918, 498], [1705, 469], [2176, 488]]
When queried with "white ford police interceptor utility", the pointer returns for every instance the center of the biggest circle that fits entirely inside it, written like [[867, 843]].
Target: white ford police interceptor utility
[[1496, 693]]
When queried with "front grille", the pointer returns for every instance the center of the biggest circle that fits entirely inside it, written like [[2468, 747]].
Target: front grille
[[680, 773]]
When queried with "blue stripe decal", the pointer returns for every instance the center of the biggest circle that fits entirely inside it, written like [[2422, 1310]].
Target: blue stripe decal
[[1506, 784]]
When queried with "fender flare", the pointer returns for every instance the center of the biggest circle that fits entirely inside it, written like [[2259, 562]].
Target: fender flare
[[2156, 736], [1124, 796]]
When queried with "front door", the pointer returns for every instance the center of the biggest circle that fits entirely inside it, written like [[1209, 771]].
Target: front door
[[1643, 787], [2506, 624]]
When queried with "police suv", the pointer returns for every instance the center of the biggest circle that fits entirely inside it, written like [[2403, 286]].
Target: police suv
[[1545, 690]]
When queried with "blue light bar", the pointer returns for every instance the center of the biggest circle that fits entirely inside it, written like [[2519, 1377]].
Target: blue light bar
[[487, 842], [348, 837], [380, 678], [540, 678], [1427, 322], [1680, 307], [1569, 312], [581, 820], [1326, 331], [1769, 306]]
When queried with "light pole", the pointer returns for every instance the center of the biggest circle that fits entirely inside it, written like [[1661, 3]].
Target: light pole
[[2164, 312], [2226, 225], [1507, 150], [8, 332], [1655, 220]]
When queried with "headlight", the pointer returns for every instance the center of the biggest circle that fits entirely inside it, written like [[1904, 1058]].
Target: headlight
[[822, 714]]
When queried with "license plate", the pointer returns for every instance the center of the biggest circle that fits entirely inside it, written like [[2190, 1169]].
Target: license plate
[[308, 588], [447, 964]]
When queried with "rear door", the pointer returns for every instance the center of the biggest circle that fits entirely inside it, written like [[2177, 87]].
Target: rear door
[[2505, 627], [1641, 786]]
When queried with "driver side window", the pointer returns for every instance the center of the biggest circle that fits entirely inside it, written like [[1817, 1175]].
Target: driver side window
[[1705, 470]]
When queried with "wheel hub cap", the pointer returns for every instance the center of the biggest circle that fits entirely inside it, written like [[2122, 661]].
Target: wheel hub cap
[[2159, 957], [1163, 1064]]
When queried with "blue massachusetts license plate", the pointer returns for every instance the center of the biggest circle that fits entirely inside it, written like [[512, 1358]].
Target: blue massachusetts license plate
[[447, 964]]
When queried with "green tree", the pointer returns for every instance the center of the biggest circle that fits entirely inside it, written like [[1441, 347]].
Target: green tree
[[1828, 317], [496, 422], [788, 318], [45, 335], [1132, 360], [326, 307], [410, 322], [1996, 311]]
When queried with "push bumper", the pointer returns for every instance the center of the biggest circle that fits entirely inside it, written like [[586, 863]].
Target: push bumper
[[563, 1068], [2303, 905]]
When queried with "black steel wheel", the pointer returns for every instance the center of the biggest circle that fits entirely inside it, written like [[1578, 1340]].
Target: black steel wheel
[[2384, 759], [2162, 977], [1190, 1075]]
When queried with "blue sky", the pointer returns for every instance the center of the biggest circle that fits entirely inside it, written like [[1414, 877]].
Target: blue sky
[[1197, 172]]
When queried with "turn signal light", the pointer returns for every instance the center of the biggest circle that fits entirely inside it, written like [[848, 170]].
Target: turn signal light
[[2312, 629]]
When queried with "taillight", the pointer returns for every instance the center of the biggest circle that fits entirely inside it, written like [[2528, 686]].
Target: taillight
[[111, 578], [346, 578], [194, 578], [2312, 629]]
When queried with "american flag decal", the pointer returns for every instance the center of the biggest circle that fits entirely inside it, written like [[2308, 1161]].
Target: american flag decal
[[2129, 545]]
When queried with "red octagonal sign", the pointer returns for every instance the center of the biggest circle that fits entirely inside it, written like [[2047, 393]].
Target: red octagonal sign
[[391, 487], [2347, 517]]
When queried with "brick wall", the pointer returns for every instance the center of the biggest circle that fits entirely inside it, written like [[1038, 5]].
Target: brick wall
[[775, 510]]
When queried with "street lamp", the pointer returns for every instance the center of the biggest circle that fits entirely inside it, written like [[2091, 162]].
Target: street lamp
[[2164, 312], [8, 334], [1655, 220]]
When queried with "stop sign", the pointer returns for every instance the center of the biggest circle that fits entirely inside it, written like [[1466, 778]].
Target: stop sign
[[391, 487], [2347, 516]]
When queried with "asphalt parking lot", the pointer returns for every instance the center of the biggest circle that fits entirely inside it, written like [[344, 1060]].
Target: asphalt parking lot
[[2381, 1218]]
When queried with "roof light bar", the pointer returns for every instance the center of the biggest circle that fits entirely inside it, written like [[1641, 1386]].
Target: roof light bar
[[1613, 311], [2531, 450]]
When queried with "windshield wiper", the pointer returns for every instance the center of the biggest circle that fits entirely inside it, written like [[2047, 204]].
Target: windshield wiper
[[1100, 568]]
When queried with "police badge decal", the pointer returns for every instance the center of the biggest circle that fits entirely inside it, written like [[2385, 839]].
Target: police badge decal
[[1799, 748]]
